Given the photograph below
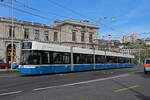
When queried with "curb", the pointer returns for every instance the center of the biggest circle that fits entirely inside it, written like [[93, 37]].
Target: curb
[[8, 71]]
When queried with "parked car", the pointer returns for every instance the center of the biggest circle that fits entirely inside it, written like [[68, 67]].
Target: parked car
[[4, 65]]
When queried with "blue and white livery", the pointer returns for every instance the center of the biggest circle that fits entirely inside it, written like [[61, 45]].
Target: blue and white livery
[[45, 58]]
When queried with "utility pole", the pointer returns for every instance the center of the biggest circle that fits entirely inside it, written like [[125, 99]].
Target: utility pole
[[71, 51], [106, 48], [109, 42], [12, 30], [139, 57], [94, 56], [105, 56], [12, 33]]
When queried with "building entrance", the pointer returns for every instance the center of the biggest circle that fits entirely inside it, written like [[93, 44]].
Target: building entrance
[[9, 53]]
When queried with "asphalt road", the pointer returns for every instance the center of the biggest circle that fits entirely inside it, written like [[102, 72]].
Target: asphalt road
[[112, 84]]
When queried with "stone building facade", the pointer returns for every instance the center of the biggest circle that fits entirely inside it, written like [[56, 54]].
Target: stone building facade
[[68, 32], [130, 38], [75, 33]]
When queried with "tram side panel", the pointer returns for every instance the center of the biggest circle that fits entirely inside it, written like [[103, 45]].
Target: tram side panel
[[67, 68]]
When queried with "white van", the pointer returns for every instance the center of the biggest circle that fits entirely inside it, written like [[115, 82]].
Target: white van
[[147, 66]]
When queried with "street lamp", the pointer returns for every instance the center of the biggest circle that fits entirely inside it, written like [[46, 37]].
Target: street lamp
[[12, 30], [105, 56], [71, 51], [94, 56], [109, 44], [12, 33]]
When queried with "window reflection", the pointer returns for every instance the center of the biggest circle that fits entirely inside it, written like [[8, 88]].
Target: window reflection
[[35, 57]]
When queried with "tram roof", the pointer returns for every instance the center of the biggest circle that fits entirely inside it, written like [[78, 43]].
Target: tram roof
[[61, 48]]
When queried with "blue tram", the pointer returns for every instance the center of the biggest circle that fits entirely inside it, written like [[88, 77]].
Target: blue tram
[[45, 58]]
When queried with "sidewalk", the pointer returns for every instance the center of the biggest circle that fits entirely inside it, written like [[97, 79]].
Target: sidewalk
[[8, 70]]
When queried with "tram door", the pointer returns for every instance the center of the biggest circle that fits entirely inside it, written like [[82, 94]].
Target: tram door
[[9, 53]]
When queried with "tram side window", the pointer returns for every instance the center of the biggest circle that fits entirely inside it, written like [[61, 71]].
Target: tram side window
[[110, 59], [83, 59], [97, 59], [35, 58], [89, 59], [61, 58], [115, 59], [121, 60], [131, 60], [57, 58], [127, 60], [65, 58], [78, 59], [46, 58]]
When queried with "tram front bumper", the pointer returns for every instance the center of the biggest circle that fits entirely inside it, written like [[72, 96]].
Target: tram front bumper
[[27, 70]]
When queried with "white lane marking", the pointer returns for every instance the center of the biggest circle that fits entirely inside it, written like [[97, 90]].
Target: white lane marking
[[9, 93], [84, 82]]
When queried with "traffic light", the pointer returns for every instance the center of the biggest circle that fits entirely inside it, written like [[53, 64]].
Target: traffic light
[[113, 19], [1, 0]]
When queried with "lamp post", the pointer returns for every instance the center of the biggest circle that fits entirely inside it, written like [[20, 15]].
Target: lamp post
[[94, 56], [12, 33], [139, 57], [71, 51], [105, 56], [12, 30], [109, 42]]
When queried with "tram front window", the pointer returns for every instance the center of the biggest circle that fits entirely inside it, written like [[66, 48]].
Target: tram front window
[[31, 57], [147, 61], [35, 57]]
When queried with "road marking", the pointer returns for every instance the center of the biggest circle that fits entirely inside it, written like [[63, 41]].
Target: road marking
[[131, 87], [9, 93], [134, 86], [84, 82]]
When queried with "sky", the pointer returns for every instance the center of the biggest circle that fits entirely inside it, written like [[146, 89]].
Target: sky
[[130, 15]]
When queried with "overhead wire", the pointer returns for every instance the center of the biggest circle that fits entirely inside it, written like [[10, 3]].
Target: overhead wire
[[59, 5], [26, 6], [38, 10], [75, 12], [83, 16], [23, 11]]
